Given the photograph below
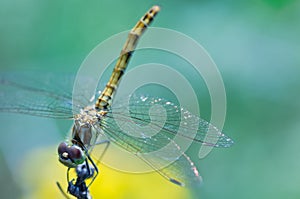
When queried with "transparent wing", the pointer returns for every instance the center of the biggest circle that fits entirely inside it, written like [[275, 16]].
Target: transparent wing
[[167, 118], [39, 94], [159, 132]]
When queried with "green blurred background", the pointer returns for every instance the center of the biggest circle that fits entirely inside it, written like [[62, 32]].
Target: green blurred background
[[255, 45]]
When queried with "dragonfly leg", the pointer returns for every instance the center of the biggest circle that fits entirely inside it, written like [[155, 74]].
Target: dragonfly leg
[[69, 184], [62, 191], [85, 171], [68, 174], [79, 188], [107, 143]]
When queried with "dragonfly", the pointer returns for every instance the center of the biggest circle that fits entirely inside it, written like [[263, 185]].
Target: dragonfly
[[101, 117]]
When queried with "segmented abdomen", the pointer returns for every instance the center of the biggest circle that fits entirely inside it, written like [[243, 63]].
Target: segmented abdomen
[[104, 100]]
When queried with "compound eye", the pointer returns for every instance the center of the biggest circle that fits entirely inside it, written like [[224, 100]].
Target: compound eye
[[62, 148], [71, 156], [75, 153]]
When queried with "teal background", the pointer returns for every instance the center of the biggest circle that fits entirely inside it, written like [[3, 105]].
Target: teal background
[[255, 45]]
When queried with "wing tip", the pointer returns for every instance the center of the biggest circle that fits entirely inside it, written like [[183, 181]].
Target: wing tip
[[174, 181]]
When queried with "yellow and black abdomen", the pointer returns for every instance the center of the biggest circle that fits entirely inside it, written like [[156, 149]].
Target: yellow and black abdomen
[[104, 100]]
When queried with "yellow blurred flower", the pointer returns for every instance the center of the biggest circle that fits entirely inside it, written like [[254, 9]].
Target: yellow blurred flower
[[41, 170]]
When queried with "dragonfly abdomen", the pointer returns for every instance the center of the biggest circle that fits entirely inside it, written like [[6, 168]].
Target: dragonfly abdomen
[[106, 96]]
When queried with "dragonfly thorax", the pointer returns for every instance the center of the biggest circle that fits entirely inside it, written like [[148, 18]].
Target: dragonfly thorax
[[82, 137], [88, 115]]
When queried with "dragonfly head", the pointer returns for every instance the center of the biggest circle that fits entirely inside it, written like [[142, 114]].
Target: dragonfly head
[[70, 155]]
